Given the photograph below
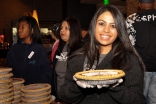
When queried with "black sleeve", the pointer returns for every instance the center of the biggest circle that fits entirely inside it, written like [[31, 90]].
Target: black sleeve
[[131, 89], [45, 69], [70, 91]]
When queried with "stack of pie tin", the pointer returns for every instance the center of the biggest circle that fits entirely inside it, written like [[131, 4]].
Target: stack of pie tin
[[36, 94], [6, 86], [18, 83]]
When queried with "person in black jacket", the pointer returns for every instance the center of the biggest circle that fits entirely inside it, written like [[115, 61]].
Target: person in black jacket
[[69, 41], [109, 47], [142, 32], [28, 58]]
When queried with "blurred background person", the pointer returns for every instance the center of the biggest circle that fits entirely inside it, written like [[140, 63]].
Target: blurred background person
[[54, 38], [28, 58], [55, 31], [69, 41], [142, 32], [84, 32]]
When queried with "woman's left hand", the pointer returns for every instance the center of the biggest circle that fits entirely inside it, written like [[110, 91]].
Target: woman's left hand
[[106, 83]]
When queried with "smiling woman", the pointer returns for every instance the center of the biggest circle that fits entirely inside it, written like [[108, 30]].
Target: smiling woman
[[106, 32], [109, 47]]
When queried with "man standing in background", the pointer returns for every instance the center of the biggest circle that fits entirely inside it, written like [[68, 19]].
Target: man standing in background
[[142, 33]]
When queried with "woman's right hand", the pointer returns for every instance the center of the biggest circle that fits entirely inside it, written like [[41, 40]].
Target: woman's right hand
[[106, 83]]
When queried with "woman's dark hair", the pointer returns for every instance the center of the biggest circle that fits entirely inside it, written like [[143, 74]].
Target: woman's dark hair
[[35, 36], [121, 46], [75, 34]]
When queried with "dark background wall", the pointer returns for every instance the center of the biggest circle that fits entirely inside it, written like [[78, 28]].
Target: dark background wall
[[84, 12], [48, 10]]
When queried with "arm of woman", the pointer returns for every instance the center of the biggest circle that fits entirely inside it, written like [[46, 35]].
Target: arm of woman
[[131, 90], [9, 58], [70, 91], [45, 68], [12, 62]]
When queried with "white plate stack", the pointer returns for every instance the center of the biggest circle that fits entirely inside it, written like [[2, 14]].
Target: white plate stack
[[37, 94], [18, 83], [6, 87]]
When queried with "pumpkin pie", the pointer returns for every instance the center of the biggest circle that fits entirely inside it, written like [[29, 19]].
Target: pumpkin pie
[[37, 100], [105, 74], [36, 88], [5, 70], [18, 81], [32, 96], [6, 100], [5, 76]]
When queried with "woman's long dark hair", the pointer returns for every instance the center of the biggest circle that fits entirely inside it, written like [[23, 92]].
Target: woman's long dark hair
[[121, 46], [75, 35], [35, 36]]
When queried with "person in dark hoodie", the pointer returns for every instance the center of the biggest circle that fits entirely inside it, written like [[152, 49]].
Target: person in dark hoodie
[[69, 41], [28, 58], [142, 32]]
